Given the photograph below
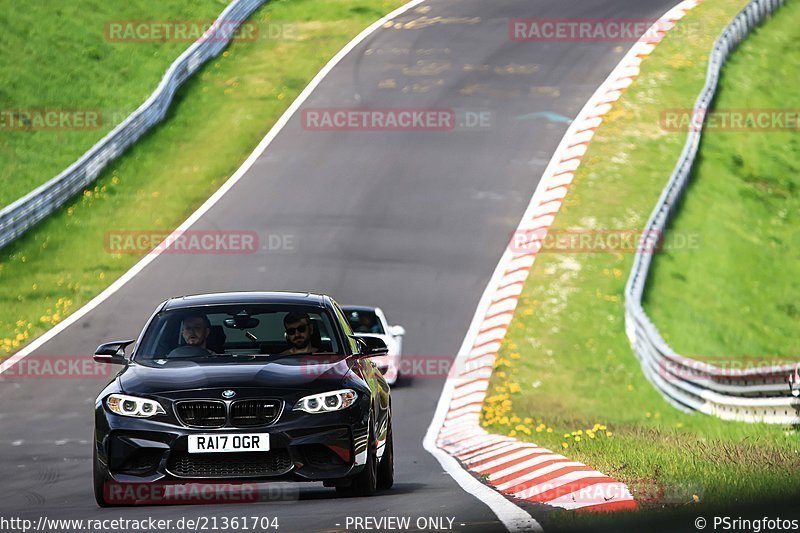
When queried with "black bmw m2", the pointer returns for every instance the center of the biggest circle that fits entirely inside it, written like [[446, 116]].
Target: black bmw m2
[[246, 386]]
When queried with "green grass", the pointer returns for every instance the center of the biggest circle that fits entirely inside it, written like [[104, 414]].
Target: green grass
[[736, 298], [566, 362], [56, 55], [219, 117]]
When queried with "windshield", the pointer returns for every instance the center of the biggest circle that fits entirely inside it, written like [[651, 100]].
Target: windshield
[[364, 321], [238, 330]]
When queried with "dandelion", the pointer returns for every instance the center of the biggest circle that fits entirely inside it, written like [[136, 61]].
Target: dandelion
[[564, 445], [608, 433]]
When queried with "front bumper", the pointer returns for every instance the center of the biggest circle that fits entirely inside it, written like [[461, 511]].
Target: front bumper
[[303, 447]]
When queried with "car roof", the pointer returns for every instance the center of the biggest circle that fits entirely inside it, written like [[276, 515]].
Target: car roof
[[263, 297], [358, 308]]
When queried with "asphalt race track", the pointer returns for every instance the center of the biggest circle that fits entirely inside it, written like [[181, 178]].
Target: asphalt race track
[[412, 221]]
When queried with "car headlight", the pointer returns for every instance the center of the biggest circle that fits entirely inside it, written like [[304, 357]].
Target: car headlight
[[327, 401], [124, 405]]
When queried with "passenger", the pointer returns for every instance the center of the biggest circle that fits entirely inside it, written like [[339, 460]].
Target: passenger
[[299, 333]]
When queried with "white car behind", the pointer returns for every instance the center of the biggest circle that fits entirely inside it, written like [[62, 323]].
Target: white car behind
[[372, 321]]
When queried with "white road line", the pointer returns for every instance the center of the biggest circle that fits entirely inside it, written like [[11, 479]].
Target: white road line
[[540, 213], [208, 204]]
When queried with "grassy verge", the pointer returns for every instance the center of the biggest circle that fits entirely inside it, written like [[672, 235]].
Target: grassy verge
[[62, 264], [58, 56], [566, 377], [735, 298]]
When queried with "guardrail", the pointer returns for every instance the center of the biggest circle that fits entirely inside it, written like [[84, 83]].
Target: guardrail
[[20, 216], [763, 394]]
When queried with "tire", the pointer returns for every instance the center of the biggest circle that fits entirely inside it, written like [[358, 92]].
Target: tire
[[98, 480], [386, 466], [365, 483]]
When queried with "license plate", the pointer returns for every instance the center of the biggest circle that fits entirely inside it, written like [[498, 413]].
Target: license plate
[[233, 442]]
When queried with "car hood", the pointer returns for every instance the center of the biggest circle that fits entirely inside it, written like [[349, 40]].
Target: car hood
[[288, 372]]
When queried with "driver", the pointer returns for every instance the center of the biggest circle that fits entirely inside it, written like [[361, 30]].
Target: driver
[[195, 330], [299, 333]]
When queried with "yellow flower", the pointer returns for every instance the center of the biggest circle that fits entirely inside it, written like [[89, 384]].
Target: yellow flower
[[696, 498], [577, 439], [564, 445], [608, 433], [549, 430]]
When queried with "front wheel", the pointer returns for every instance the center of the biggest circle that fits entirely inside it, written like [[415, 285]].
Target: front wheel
[[98, 480], [386, 466], [365, 483]]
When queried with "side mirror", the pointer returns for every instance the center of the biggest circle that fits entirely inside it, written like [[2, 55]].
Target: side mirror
[[112, 352], [397, 331], [371, 346]]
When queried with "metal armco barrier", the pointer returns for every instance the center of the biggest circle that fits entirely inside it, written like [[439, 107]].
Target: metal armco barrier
[[762, 394], [23, 214]]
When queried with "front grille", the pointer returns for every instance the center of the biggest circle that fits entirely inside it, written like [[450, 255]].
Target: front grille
[[230, 465], [202, 413], [249, 413]]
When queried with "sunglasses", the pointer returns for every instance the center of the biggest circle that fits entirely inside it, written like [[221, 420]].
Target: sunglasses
[[298, 329]]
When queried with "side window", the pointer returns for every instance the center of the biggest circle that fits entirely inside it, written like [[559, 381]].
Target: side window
[[345, 325]]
